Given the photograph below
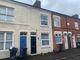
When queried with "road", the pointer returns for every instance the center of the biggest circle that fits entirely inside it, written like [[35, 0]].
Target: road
[[73, 57]]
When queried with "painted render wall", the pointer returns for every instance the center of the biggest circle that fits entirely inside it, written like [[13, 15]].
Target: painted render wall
[[26, 19]]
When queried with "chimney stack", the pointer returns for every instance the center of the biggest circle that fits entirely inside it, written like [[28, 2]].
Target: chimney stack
[[76, 16], [37, 4]]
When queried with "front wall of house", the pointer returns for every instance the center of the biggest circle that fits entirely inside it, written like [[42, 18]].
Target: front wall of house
[[65, 28], [26, 19]]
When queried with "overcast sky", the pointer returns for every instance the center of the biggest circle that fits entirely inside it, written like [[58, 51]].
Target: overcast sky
[[69, 7]]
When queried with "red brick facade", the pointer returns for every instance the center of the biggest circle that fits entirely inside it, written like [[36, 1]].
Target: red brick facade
[[65, 20]]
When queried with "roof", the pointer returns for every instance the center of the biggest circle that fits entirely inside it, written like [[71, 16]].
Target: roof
[[43, 9]]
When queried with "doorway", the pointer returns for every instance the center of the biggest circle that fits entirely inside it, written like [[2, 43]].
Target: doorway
[[33, 43], [23, 42], [69, 40]]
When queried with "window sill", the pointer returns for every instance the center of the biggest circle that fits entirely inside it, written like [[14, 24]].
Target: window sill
[[45, 47], [6, 21], [59, 43], [4, 50], [44, 26], [57, 27]]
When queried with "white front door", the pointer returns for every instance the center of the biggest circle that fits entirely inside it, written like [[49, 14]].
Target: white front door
[[65, 41], [74, 41]]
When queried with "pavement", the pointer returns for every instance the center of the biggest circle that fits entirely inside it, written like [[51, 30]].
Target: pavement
[[72, 54]]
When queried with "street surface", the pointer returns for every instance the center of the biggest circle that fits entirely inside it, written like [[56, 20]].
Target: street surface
[[72, 54], [73, 57]]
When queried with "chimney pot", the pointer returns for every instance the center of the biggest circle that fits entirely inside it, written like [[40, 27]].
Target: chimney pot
[[37, 4], [76, 16]]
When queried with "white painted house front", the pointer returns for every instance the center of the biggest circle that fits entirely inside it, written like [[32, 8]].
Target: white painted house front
[[21, 21]]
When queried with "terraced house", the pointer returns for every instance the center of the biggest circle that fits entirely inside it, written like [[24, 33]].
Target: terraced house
[[37, 29], [24, 26], [66, 31]]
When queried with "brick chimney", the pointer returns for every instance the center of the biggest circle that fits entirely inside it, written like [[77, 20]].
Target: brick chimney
[[76, 16], [37, 4]]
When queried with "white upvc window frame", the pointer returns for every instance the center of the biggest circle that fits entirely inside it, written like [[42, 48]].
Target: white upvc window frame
[[47, 20], [5, 41], [6, 16], [56, 19], [60, 41], [76, 25], [45, 39]]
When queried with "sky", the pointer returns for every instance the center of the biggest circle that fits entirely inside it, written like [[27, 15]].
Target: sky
[[68, 7]]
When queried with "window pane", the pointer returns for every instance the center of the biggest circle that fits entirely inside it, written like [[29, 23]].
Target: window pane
[[65, 33], [9, 18], [8, 45], [44, 23], [55, 23], [59, 35], [44, 36], [9, 36], [58, 39], [1, 36], [56, 35], [2, 10], [1, 45], [2, 17], [44, 20], [45, 42], [56, 20], [76, 25], [10, 11], [6, 14], [44, 17], [33, 33], [23, 33]]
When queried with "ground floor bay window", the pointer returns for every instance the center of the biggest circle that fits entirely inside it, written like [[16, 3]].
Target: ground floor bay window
[[45, 39], [58, 38], [5, 40]]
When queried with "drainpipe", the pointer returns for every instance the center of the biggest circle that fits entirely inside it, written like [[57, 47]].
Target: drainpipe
[[67, 29], [67, 24]]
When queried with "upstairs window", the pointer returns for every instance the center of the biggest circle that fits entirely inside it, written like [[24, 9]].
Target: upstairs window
[[44, 20], [56, 21], [76, 25], [6, 13]]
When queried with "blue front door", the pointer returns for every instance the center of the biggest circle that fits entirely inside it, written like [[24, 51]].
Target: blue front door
[[23, 42]]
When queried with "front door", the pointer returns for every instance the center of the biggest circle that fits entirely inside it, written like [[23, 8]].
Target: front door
[[33, 44], [23, 42], [65, 41], [69, 41], [73, 41]]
